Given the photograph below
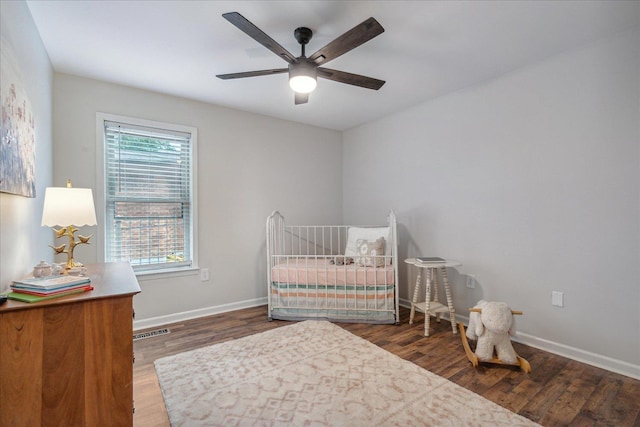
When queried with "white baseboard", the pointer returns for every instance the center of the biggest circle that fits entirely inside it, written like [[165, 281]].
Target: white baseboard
[[593, 359], [153, 322]]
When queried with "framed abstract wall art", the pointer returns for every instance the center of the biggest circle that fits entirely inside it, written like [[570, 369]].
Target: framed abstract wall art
[[17, 130]]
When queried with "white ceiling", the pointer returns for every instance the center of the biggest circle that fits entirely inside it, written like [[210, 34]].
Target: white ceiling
[[429, 48]]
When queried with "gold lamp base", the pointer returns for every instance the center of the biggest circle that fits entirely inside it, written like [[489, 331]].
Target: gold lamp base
[[69, 232]]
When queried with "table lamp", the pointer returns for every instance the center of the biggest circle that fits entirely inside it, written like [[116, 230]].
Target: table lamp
[[68, 208]]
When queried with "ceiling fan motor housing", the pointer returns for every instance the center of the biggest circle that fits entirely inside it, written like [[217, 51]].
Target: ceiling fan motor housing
[[303, 35]]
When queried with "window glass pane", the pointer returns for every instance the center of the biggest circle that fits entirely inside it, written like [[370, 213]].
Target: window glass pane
[[148, 195], [132, 210]]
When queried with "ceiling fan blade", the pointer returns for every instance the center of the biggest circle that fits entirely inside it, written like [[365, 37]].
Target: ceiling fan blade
[[258, 35], [350, 40], [350, 79], [252, 73], [302, 98]]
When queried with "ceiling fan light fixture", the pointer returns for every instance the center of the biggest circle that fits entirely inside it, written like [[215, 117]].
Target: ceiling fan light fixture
[[303, 77], [303, 84]]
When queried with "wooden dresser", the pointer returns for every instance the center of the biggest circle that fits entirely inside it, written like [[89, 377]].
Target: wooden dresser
[[69, 361]]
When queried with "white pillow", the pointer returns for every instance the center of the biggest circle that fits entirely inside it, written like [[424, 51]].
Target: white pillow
[[367, 233]]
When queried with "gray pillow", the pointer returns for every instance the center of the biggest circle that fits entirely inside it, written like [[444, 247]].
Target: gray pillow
[[370, 253]]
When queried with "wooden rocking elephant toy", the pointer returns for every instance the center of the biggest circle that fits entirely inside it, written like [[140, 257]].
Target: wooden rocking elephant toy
[[492, 325]]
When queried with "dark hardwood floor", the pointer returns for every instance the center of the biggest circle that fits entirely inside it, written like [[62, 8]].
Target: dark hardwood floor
[[558, 391]]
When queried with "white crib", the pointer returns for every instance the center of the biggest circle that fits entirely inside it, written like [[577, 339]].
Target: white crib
[[334, 272]]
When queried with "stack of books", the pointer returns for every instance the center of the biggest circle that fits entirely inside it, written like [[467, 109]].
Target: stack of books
[[430, 260], [40, 289]]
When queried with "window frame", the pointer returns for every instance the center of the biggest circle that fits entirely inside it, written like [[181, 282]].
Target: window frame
[[101, 183]]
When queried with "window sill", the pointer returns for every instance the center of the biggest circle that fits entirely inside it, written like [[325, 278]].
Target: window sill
[[166, 273]]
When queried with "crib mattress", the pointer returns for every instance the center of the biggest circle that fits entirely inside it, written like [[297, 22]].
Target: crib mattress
[[319, 271]]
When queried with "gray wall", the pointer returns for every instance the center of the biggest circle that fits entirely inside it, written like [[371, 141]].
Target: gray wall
[[248, 165], [23, 243], [532, 182]]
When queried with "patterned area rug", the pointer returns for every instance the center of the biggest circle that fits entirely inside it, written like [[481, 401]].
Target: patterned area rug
[[314, 373]]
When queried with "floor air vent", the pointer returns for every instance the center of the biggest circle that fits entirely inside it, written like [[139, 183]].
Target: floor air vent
[[150, 334]]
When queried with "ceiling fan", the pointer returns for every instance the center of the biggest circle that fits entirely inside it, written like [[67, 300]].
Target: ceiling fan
[[303, 71]]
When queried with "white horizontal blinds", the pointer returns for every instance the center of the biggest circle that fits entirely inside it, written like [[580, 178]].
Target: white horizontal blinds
[[148, 196]]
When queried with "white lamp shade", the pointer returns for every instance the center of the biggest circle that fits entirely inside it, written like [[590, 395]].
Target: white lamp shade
[[68, 206]]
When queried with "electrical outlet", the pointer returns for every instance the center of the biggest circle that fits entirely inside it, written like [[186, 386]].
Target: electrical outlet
[[204, 274], [557, 299], [471, 281]]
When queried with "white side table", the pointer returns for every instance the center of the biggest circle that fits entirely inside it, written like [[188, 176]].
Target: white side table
[[432, 307]]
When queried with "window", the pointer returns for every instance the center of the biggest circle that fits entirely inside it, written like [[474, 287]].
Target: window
[[149, 195]]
